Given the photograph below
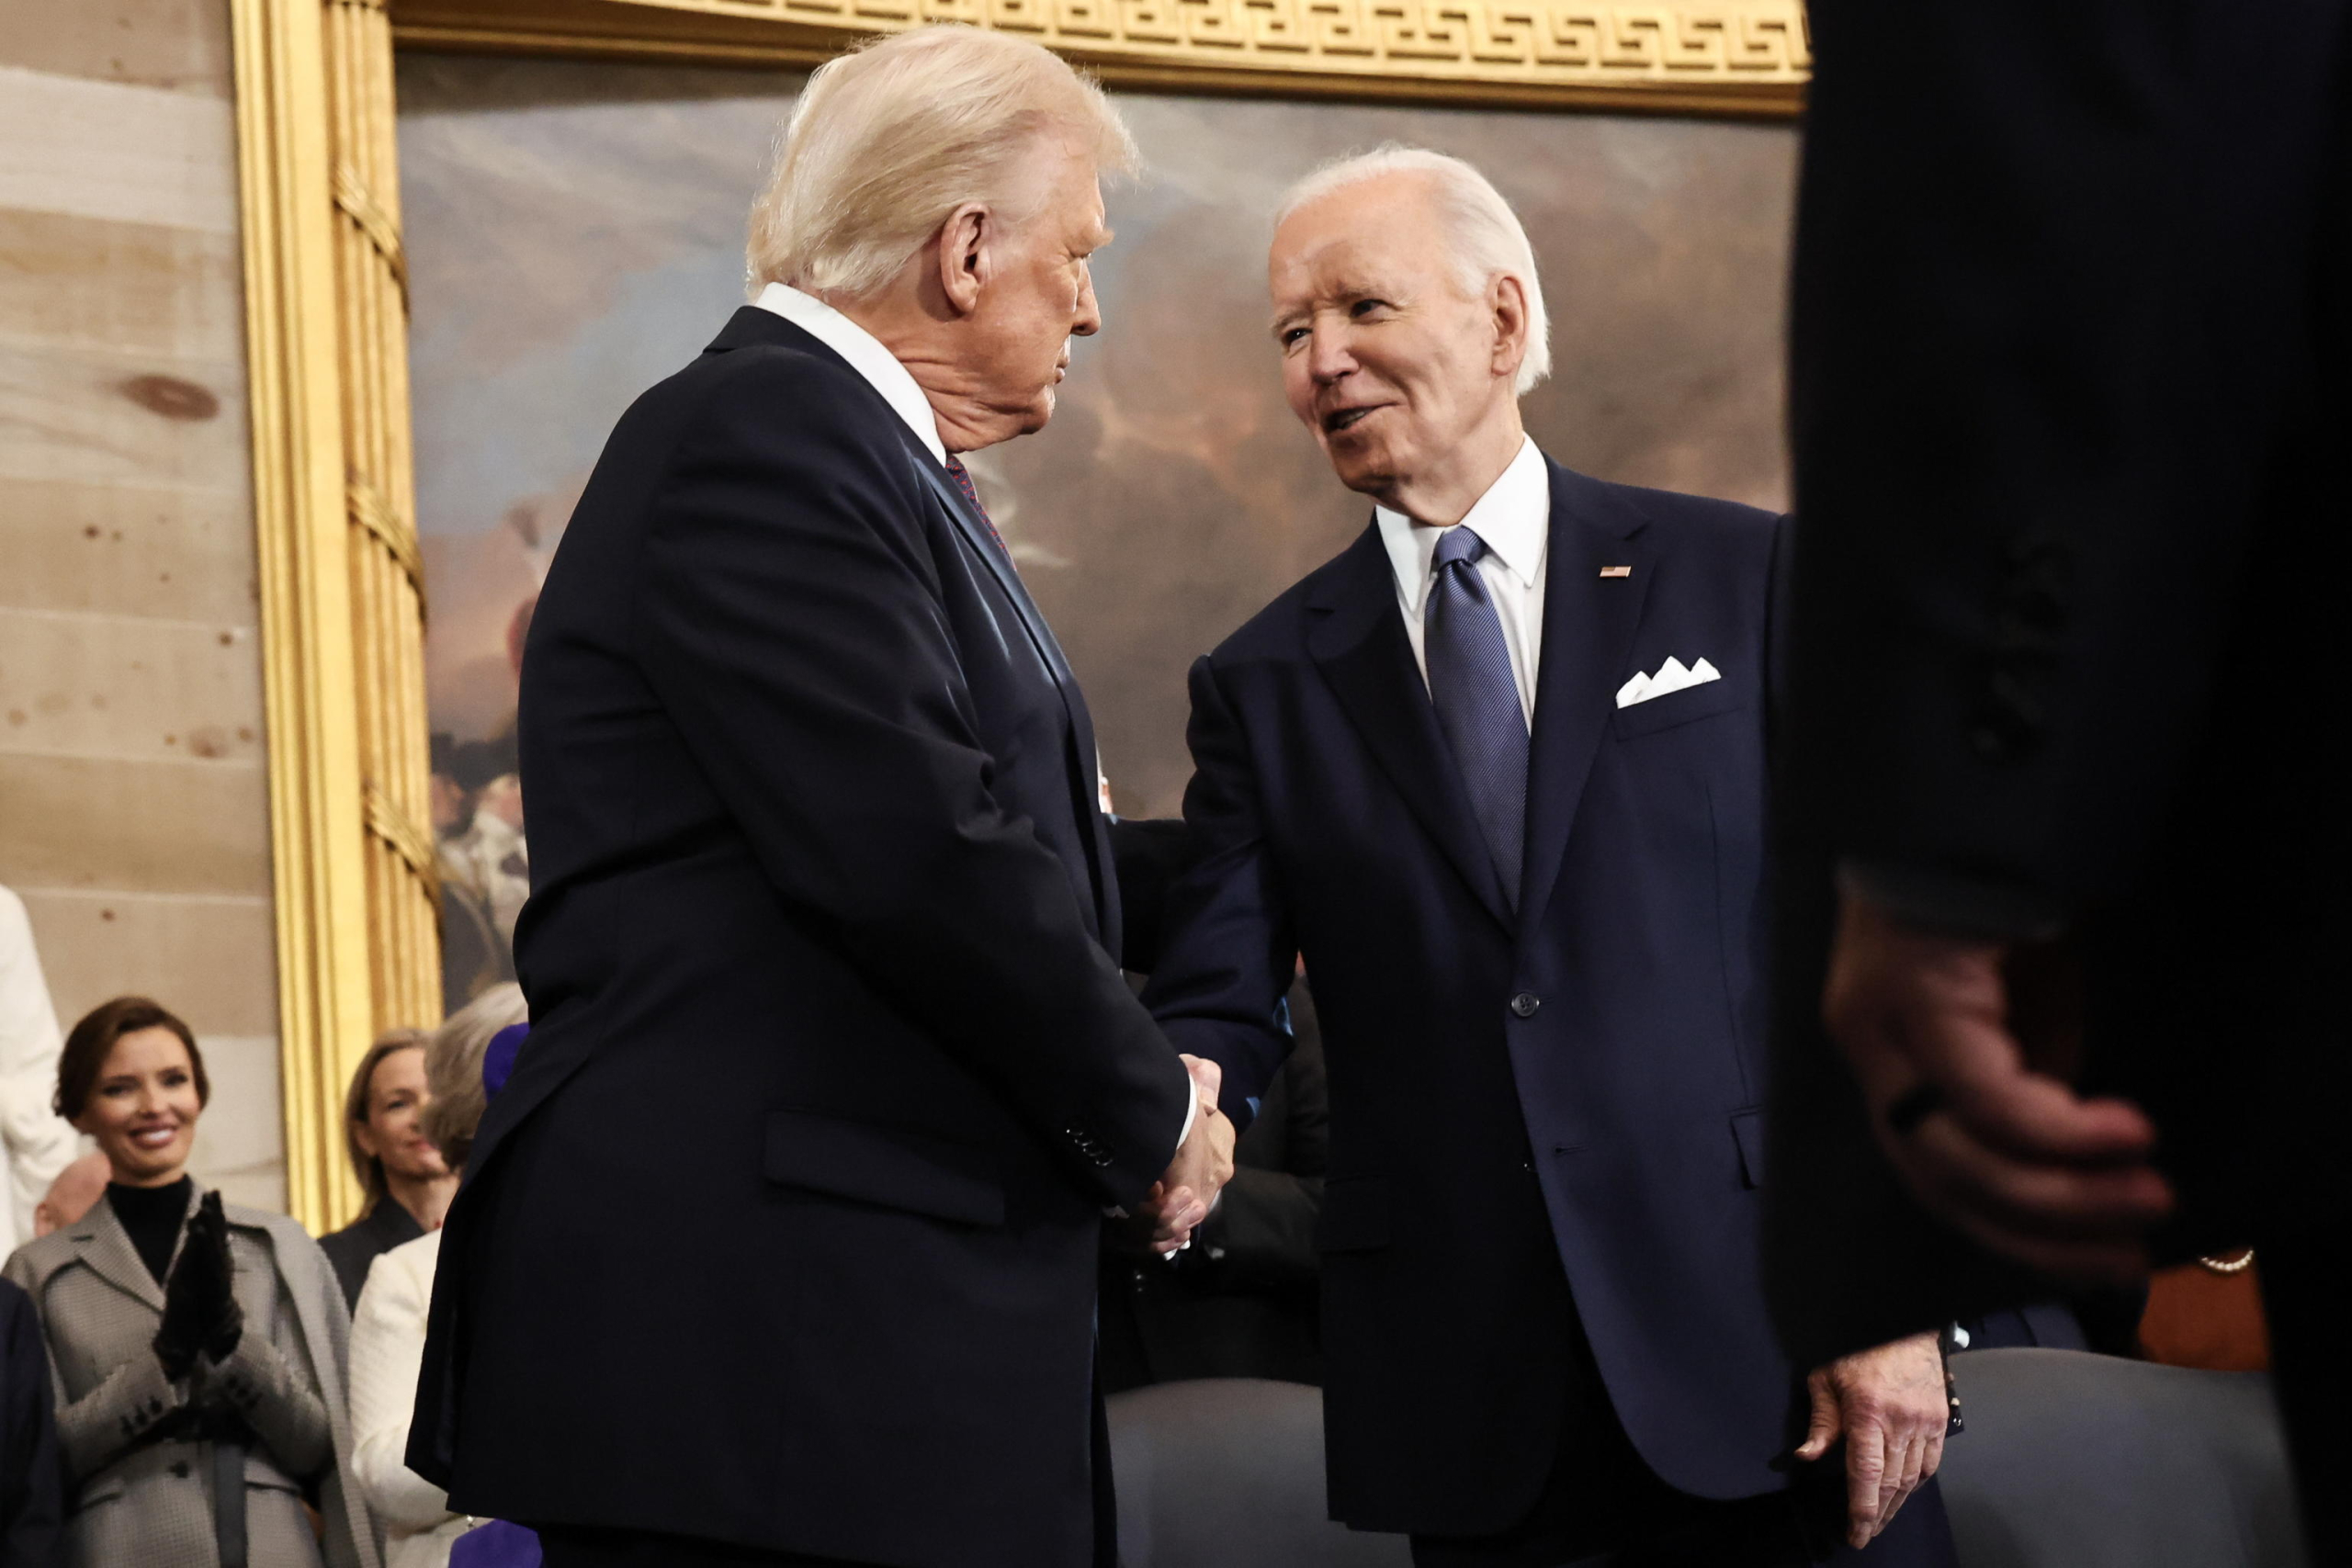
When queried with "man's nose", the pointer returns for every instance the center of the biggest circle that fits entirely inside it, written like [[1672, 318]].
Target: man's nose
[[1328, 355], [1089, 317]]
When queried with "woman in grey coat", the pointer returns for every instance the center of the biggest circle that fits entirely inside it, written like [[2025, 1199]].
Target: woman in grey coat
[[196, 1348]]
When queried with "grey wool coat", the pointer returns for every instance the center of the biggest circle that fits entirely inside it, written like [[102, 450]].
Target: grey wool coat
[[135, 1501]]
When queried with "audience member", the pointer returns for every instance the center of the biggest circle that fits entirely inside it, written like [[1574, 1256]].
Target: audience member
[[1242, 1300], [388, 1329], [78, 1186], [2207, 1314], [485, 865], [29, 1483], [198, 1348], [408, 1187], [35, 1143]]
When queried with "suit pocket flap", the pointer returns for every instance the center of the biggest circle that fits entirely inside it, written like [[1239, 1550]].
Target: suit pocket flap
[[1748, 1131], [1703, 701], [873, 1164], [1354, 1217]]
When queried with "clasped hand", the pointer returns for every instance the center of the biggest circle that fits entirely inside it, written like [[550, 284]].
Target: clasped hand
[[1890, 1406], [201, 1312], [1180, 1200]]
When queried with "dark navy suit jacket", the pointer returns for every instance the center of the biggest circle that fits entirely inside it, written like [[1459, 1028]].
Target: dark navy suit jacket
[[784, 1231], [1575, 1086]]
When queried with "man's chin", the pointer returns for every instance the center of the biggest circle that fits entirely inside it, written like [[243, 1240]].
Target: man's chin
[[1362, 471]]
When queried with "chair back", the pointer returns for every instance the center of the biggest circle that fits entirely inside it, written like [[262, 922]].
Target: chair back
[[1227, 1472], [2076, 1460]]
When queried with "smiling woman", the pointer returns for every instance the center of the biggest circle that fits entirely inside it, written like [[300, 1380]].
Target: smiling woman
[[131, 1079], [199, 1347]]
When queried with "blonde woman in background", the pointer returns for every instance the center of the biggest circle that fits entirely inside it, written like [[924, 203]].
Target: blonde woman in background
[[408, 1187], [388, 1330]]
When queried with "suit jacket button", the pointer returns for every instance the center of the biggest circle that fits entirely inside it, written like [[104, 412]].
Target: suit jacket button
[[1525, 1003], [179, 1470]]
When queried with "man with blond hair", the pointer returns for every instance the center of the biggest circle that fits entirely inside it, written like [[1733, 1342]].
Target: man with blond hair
[[778, 1247], [1497, 773]]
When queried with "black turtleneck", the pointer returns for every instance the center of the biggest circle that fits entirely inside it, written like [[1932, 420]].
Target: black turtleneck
[[153, 1216]]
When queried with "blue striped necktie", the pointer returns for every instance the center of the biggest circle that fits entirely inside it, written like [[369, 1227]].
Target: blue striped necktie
[[1476, 696]]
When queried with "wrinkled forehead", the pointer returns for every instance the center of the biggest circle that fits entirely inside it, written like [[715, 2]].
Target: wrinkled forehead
[[1061, 183], [1376, 238]]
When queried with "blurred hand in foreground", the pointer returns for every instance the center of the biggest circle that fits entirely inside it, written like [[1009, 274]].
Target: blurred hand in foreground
[[1965, 1050]]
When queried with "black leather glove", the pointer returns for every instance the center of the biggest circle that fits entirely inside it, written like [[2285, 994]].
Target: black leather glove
[[200, 1310]]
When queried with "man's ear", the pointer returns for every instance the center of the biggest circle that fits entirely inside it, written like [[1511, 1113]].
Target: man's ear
[[963, 255], [1506, 299]]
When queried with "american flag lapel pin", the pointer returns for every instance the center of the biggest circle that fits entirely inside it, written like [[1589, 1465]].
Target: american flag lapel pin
[[1616, 571]]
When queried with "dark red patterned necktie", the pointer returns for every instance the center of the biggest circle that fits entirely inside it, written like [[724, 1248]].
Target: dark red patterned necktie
[[963, 478]]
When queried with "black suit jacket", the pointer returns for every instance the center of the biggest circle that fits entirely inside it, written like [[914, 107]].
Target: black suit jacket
[[1573, 1091], [783, 1232], [32, 1478], [2069, 409]]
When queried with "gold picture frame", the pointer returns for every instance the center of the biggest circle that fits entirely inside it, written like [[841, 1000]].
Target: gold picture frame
[[357, 892], [1737, 57]]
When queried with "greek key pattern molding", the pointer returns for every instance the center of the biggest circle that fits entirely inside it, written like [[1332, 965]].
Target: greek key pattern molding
[[1694, 56]]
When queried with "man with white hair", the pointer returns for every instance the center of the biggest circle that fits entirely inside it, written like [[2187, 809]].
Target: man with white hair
[[779, 1244], [1497, 773]]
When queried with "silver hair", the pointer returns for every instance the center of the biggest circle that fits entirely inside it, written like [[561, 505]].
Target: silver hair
[[887, 141], [1487, 239], [453, 1070]]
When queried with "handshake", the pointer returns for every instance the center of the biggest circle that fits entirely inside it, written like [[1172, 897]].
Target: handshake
[[1179, 1201]]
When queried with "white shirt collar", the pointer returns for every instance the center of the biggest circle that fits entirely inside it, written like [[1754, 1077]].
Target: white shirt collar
[[865, 355], [1514, 518]]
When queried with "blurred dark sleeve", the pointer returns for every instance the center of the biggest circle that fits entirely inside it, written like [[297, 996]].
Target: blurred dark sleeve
[[1262, 1236], [31, 1480], [1148, 856], [2049, 334]]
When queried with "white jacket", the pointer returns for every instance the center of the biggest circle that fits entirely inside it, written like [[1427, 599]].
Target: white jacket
[[35, 1141], [387, 1355]]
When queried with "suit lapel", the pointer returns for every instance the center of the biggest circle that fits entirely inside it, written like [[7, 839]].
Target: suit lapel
[[1589, 625], [105, 1246], [983, 542], [1357, 639]]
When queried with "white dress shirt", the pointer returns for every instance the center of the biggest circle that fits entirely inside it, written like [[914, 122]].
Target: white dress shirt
[[1514, 518], [882, 371]]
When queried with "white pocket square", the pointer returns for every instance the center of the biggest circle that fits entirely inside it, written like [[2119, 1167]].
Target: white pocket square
[[1672, 676]]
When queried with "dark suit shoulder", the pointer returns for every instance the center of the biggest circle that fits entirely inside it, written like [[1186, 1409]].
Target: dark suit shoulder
[[1700, 515], [767, 385], [800, 388], [1275, 632]]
